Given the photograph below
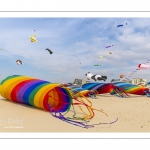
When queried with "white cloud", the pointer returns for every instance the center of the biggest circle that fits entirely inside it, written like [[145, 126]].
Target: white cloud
[[85, 38]]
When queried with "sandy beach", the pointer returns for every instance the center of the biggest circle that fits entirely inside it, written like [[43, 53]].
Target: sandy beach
[[132, 113]]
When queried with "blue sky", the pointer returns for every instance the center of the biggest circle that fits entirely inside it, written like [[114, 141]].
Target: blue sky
[[84, 37]]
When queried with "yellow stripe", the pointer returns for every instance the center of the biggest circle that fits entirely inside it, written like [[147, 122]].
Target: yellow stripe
[[39, 97], [53, 98]]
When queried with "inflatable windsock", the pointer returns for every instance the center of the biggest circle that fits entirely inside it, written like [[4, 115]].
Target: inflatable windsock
[[49, 96], [35, 92]]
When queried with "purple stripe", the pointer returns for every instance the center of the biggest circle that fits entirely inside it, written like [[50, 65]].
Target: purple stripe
[[99, 85], [24, 88]]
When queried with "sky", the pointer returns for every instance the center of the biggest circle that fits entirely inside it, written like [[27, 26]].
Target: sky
[[85, 38]]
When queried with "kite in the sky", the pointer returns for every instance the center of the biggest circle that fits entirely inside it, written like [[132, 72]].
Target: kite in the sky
[[97, 65], [1, 49], [120, 25], [95, 77], [122, 76], [102, 56], [108, 46], [50, 51], [110, 52], [33, 38], [19, 62], [143, 66]]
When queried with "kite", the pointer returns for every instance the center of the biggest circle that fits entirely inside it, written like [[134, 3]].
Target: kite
[[143, 66], [102, 56], [108, 46], [33, 38], [110, 52], [19, 62], [97, 65], [50, 51], [95, 77], [1, 49], [121, 25], [122, 76]]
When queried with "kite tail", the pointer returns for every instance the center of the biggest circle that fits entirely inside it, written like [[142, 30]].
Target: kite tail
[[79, 101]]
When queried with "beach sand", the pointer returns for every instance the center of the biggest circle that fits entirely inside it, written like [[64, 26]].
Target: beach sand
[[133, 116]]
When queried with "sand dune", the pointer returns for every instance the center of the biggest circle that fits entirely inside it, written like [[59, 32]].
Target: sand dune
[[133, 116]]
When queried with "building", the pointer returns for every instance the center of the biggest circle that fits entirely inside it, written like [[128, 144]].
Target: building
[[138, 80], [79, 82]]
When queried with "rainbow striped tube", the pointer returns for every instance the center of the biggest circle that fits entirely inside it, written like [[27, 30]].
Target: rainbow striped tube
[[36, 92], [99, 87], [131, 88]]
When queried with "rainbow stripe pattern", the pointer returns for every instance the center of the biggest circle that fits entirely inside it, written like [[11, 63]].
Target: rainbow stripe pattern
[[36, 92], [131, 88], [99, 87]]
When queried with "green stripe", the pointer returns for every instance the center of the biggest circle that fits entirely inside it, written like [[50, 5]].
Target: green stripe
[[8, 78], [33, 93]]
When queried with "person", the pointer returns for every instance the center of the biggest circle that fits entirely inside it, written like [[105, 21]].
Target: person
[[92, 94], [147, 92]]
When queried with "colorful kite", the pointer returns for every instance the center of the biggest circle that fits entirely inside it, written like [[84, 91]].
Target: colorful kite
[[108, 46], [143, 66], [102, 56], [33, 38]]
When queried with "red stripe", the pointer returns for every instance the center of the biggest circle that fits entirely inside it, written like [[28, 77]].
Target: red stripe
[[17, 88]]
